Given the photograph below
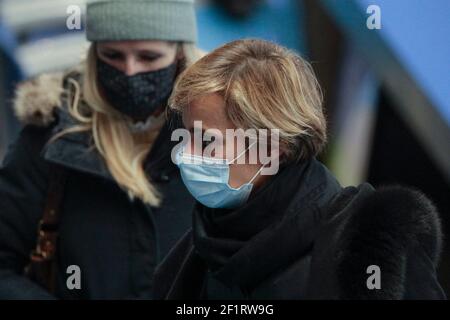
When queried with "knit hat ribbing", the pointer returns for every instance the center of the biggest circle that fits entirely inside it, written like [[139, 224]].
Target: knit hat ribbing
[[115, 20]]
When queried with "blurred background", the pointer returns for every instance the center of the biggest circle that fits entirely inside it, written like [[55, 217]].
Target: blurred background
[[384, 70]]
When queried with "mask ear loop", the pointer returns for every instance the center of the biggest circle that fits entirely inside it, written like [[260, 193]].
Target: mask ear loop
[[243, 152], [240, 155], [257, 173]]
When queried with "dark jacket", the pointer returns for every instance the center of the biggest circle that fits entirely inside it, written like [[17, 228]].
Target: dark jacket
[[116, 242], [302, 236]]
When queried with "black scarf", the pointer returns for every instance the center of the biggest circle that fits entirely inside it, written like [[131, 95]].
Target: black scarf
[[244, 245]]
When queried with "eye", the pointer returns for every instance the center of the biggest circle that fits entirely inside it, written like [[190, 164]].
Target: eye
[[148, 58], [112, 55]]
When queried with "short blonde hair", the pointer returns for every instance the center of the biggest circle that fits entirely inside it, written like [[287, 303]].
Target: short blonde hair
[[264, 86]]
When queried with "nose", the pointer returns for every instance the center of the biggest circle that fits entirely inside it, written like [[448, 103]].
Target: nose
[[130, 67]]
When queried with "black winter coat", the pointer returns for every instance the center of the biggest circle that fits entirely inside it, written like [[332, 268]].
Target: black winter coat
[[117, 243], [302, 236]]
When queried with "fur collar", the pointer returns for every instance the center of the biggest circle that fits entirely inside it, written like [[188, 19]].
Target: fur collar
[[36, 99], [36, 103], [383, 229]]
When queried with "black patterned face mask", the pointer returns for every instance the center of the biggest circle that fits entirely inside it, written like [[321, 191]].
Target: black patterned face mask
[[136, 96]]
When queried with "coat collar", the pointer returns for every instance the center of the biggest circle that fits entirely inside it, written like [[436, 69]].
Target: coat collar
[[394, 222], [75, 151], [361, 227], [367, 227]]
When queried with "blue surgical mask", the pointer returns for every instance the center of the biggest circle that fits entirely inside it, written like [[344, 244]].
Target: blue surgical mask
[[207, 180]]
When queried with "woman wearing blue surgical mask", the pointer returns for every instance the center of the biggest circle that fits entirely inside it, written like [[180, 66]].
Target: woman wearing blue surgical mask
[[292, 232], [209, 181], [89, 189]]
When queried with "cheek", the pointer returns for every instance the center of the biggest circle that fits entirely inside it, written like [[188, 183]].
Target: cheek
[[241, 174], [161, 62], [154, 65], [228, 151], [235, 174], [193, 147], [189, 148], [117, 64]]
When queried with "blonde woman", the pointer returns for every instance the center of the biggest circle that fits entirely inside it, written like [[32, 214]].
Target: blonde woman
[[101, 130], [295, 234]]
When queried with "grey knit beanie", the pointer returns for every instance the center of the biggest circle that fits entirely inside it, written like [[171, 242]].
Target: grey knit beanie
[[115, 20]]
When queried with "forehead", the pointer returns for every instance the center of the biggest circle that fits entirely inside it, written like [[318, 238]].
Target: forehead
[[125, 46], [210, 109]]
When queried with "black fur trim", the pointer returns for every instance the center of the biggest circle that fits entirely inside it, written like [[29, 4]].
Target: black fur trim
[[384, 227]]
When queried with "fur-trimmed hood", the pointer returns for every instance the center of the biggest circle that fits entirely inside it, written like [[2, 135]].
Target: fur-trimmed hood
[[36, 99], [42, 102]]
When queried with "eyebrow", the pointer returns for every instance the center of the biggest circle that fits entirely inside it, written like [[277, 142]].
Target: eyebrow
[[191, 130], [139, 51], [151, 52]]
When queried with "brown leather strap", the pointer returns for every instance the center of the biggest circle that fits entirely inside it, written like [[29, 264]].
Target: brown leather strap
[[42, 267]]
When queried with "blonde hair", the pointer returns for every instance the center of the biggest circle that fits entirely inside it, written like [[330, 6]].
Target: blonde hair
[[123, 152], [264, 86]]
